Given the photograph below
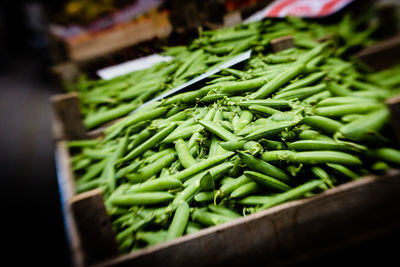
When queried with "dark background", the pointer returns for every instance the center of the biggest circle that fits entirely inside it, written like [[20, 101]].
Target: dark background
[[33, 230]]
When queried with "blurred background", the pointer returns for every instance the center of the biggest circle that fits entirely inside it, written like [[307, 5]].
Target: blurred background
[[44, 46]]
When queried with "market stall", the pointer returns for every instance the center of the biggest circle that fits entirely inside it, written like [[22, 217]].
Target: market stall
[[268, 142]]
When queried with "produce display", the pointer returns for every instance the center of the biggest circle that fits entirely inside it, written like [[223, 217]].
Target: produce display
[[281, 126], [106, 100]]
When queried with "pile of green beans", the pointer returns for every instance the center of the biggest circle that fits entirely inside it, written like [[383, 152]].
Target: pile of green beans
[[271, 133], [106, 100]]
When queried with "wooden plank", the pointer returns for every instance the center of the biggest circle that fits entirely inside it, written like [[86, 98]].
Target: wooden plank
[[94, 226], [381, 55], [67, 190], [288, 231], [67, 111], [282, 43], [394, 105], [156, 26]]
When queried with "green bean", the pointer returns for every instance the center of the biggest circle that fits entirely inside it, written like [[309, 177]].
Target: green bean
[[267, 181], [272, 103], [236, 73], [150, 143], [232, 36], [95, 155], [311, 157], [264, 167], [204, 182], [218, 130], [147, 198], [226, 125], [253, 148], [317, 97], [208, 218], [306, 145], [254, 200], [276, 59], [245, 118], [263, 110], [313, 135], [132, 228], [341, 110], [82, 143], [93, 170], [184, 155], [200, 166], [182, 133], [332, 101], [215, 172], [358, 129], [343, 170], [228, 188], [192, 227], [212, 98], [242, 86], [133, 167], [245, 190], [321, 174], [292, 194], [152, 238], [152, 169], [338, 90], [102, 117], [156, 185], [138, 116], [108, 173], [156, 155], [224, 211], [270, 130], [243, 45], [187, 63], [301, 93], [179, 221], [204, 197], [277, 82], [88, 185], [140, 138], [386, 154], [304, 58], [126, 244], [213, 146], [321, 123], [272, 145], [351, 117], [81, 164]]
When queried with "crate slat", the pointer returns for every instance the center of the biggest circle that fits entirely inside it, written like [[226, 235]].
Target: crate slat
[[381, 55], [94, 226], [288, 232], [67, 188], [66, 112]]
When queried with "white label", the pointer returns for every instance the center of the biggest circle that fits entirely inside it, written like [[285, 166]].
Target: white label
[[132, 65]]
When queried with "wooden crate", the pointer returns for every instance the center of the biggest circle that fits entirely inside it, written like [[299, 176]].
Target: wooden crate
[[288, 233], [156, 25]]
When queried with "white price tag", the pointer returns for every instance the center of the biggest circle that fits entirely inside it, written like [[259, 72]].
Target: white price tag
[[132, 65]]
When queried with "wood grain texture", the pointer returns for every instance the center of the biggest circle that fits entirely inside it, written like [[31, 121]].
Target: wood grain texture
[[394, 105], [286, 232], [67, 190], [67, 112], [94, 226], [282, 43], [156, 26], [381, 55]]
